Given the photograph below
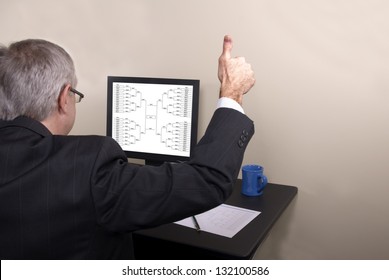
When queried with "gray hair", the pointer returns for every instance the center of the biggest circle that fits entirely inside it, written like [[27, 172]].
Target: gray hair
[[32, 74]]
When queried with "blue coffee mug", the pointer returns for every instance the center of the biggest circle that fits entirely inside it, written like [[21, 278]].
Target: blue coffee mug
[[253, 180]]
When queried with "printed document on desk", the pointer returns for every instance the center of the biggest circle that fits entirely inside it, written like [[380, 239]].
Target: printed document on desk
[[225, 220]]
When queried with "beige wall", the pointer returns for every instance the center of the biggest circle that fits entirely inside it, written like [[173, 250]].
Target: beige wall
[[320, 104]]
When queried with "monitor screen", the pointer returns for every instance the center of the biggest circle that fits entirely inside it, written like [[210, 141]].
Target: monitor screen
[[154, 119]]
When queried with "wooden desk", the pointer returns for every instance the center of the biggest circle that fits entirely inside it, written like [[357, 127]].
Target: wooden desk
[[173, 241]]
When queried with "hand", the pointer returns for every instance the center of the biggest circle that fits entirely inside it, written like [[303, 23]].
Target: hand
[[235, 74]]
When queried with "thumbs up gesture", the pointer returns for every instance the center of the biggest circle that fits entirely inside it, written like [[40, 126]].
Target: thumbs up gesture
[[235, 74]]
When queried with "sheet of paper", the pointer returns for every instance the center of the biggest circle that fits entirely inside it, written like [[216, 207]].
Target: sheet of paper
[[225, 220]]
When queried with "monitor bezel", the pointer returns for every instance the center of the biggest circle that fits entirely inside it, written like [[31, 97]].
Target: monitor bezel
[[154, 158]]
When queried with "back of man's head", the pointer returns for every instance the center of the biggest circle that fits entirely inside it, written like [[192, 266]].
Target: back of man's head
[[32, 74]]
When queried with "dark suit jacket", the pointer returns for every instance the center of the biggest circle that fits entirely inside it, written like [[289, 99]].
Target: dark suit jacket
[[76, 197]]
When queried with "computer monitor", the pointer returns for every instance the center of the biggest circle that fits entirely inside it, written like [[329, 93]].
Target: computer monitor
[[154, 119]]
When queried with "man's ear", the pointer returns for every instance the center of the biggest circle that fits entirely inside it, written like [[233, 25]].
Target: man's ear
[[63, 100]]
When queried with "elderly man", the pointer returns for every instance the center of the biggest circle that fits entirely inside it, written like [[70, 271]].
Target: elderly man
[[77, 197]]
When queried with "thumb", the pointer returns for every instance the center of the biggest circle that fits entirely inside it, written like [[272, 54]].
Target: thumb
[[227, 47]]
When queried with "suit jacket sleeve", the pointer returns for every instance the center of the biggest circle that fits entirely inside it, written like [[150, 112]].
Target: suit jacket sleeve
[[129, 197]]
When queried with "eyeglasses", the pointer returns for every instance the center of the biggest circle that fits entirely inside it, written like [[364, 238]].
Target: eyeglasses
[[79, 96]]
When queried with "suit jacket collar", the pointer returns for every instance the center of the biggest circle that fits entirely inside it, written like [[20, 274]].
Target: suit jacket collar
[[28, 123]]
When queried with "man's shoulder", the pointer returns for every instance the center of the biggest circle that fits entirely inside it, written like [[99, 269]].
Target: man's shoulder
[[89, 145], [86, 139]]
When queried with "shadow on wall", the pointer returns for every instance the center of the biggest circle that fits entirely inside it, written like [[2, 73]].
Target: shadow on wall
[[271, 247]]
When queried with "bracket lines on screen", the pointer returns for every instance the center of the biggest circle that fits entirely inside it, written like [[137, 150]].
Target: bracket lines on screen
[[148, 116]]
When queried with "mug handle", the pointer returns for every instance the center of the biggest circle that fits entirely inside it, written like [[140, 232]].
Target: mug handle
[[262, 181]]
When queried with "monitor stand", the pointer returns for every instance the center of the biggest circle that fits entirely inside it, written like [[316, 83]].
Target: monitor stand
[[153, 162]]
